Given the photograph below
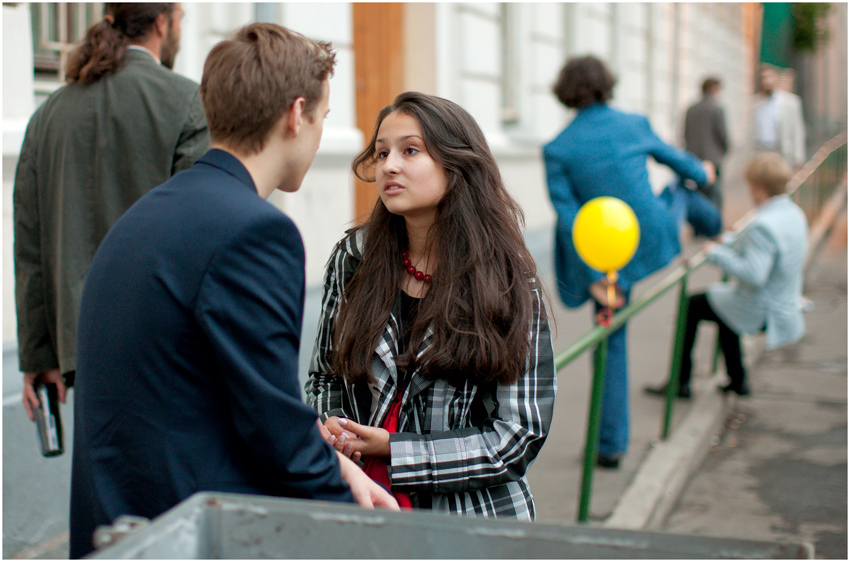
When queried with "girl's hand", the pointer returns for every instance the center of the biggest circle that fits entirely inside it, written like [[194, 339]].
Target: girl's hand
[[339, 438], [373, 441]]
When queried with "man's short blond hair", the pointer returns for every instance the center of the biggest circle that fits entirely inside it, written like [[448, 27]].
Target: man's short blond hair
[[770, 171]]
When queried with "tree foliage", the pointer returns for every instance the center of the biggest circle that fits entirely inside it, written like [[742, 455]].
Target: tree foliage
[[809, 21]]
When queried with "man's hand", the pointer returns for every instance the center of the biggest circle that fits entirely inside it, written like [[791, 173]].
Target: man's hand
[[47, 377], [710, 171], [367, 492]]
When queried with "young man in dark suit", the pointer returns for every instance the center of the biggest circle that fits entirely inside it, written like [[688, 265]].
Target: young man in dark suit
[[191, 314]]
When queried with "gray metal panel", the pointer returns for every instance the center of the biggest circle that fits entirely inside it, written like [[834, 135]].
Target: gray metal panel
[[255, 527]]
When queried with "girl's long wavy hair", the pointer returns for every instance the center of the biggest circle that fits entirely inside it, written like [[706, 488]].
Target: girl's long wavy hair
[[480, 302]]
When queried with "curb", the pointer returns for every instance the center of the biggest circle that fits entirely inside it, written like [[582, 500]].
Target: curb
[[670, 464]]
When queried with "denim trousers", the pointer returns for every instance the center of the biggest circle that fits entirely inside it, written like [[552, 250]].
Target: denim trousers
[[614, 426]]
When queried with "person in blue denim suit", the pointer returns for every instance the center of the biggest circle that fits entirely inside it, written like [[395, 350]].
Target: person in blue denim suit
[[603, 152]]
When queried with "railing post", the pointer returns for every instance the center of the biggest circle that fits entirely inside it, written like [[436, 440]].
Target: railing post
[[600, 357], [676, 361]]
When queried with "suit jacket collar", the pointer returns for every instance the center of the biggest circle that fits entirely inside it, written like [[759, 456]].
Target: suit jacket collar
[[228, 163], [140, 49], [145, 57]]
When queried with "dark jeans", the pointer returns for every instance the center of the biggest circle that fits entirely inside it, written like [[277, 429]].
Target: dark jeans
[[730, 342]]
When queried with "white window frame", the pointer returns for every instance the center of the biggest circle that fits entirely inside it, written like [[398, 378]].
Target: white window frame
[[57, 29]]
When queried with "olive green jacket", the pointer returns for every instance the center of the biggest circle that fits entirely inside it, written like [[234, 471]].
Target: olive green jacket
[[89, 153]]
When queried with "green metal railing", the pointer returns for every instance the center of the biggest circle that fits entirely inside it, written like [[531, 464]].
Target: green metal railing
[[821, 174]]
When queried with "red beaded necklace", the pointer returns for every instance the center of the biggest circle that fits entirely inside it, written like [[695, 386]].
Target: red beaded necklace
[[408, 266]]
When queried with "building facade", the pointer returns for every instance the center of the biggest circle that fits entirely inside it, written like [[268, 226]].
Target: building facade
[[498, 60]]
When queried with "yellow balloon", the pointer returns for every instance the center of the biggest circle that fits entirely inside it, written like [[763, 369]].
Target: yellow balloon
[[606, 233]]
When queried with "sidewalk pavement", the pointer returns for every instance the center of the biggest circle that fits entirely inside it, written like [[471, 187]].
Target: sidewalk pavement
[[779, 469]]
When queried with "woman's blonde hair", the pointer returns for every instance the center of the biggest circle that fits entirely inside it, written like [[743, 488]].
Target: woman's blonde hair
[[770, 171]]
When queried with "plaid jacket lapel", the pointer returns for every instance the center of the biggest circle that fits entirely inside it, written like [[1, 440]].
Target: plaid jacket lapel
[[385, 375], [386, 380], [418, 383]]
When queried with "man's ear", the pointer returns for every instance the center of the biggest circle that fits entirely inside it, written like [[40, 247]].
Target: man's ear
[[161, 24], [295, 116]]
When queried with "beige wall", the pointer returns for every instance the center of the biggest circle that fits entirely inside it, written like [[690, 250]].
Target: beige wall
[[660, 52]]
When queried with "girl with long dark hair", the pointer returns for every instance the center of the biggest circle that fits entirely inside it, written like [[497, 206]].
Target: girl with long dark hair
[[433, 362]]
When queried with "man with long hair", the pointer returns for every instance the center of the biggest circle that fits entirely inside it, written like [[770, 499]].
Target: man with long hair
[[123, 124]]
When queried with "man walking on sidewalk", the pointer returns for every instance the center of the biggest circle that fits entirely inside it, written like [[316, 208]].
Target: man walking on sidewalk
[[779, 125], [705, 135]]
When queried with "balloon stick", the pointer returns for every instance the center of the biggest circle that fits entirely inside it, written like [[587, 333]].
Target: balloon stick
[[612, 279]]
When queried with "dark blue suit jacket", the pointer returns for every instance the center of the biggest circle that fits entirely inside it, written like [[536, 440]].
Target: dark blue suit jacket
[[603, 151], [187, 350]]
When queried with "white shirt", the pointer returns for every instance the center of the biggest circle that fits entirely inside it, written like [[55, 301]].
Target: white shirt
[[767, 122]]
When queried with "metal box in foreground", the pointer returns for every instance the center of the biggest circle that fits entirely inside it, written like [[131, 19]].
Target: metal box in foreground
[[215, 526]]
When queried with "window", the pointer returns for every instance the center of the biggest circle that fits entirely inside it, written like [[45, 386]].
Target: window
[[56, 29], [510, 63]]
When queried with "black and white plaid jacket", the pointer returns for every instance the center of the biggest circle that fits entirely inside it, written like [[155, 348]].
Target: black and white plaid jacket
[[466, 448]]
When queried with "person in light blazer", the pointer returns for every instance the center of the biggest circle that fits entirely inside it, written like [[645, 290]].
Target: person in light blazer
[[603, 152], [766, 260], [779, 125], [433, 361]]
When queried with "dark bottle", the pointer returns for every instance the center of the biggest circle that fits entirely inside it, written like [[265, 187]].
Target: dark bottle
[[49, 420]]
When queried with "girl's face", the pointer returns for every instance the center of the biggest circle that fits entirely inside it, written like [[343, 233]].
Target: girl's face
[[410, 182]]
